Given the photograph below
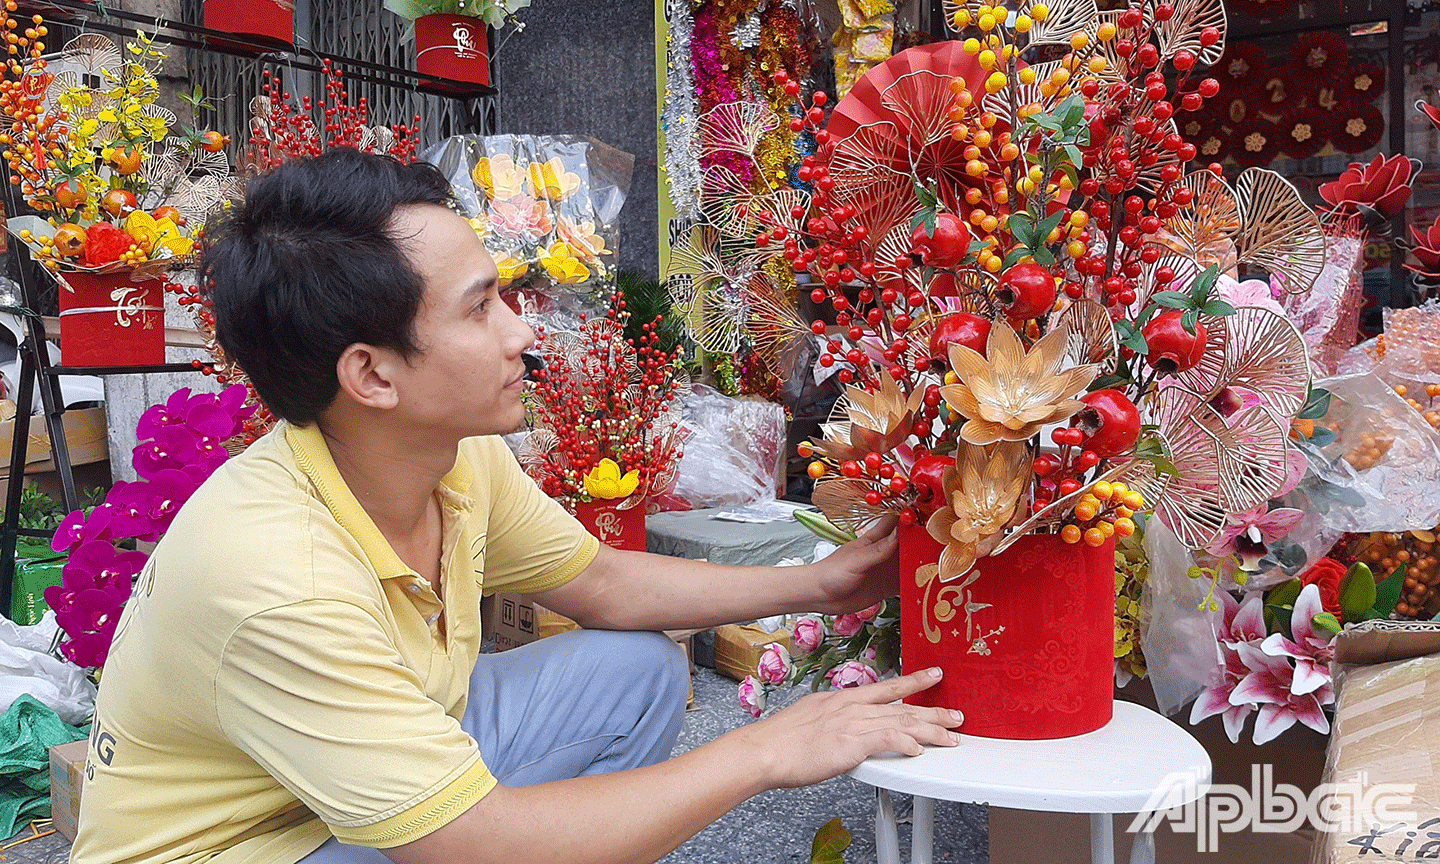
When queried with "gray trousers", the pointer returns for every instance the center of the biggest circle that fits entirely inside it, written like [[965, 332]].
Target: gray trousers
[[584, 702]]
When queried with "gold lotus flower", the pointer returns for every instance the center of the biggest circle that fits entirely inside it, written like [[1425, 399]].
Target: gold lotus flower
[[1012, 394], [583, 241], [606, 481], [982, 492], [879, 422]]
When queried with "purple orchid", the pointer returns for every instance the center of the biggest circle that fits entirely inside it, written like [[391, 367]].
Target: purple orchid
[[157, 417], [78, 528], [1249, 535], [99, 565], [90, 621], [172, 447], [167, 492], [1311, 649]]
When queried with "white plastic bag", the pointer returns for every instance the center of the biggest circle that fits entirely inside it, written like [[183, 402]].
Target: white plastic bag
[[735, 452], [26, 666]]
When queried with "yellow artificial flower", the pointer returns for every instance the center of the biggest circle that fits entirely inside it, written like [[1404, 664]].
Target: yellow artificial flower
[[562, 265], [481, 224], [982, 494], [499, 176], [582, 240], [605, 481], [512, 269], [155, 236], [551, 180]]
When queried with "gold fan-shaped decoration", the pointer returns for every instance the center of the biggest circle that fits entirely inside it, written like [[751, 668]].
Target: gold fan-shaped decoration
[[1280, 234], [1090, 339], [736, 127], [1260, 353], [1183, 29], [842, 500], [1066, 18], [1211, 219], [923, 98]]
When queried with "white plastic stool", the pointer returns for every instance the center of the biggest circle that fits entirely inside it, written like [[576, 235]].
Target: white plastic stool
[[1115, 769]]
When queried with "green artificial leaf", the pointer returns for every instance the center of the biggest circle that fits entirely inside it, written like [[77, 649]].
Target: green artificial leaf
[[1048, 224], [1387, 593], [1204, 284], [1146, 314], [1136, 342], [1044, 257], [1172, 299], [1189, 319], [1284, 594], [1105, 381], [1217, 309], [1074, 108], [1323, 437], [822, 527], [1013, 256], [830, 662], [1022, 227], [830, 843], [1317, 404], [1357, 591], [1034, 158], [1326, 621], [1069, 168], [928, 197]]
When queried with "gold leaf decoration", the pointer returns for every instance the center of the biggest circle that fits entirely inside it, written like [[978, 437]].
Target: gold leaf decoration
[[1066, 18], [1281, 233], [1183, 29], [736, 127]]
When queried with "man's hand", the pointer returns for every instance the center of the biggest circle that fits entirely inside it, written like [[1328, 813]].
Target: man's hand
[[826, 734], [861, 573]]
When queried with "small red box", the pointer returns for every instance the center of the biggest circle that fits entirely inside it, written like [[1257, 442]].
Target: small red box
[[456, 47], [1026, 638], [620, 529], [108, 320]]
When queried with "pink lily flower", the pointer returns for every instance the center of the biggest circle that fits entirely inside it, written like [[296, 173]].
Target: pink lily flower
[[1248, 535], [1251, 292], [1311, 649], [1268, 685], [1243, 624]]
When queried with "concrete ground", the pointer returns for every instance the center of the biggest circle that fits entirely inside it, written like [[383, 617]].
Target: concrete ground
[[773, 828]]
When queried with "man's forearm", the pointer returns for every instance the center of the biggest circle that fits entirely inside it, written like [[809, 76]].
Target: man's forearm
[[631, 816], [640, 591]]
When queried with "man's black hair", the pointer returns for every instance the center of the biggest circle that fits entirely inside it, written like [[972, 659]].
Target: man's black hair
[[307, 265]]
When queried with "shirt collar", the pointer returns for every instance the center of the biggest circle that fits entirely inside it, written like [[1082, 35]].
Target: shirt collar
[[312, 455]]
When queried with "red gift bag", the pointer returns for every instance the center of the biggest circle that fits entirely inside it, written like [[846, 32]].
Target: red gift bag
[[1026, 638], [108, 320], [456, 47], [621, 529]]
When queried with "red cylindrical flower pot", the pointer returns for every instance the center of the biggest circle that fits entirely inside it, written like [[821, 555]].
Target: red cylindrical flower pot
[[262, 23], [1026, 638], [621, 529], [108, 320], [455, 47]]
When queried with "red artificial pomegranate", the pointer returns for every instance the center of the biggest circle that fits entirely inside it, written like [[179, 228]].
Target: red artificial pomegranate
[[928, 476], [958, 328], [944, 248], [71, 194], [70, 240], [1026, 291], [1109, 421], [1172, 347]]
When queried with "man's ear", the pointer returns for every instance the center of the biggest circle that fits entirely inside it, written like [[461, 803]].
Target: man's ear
[[365, 375]]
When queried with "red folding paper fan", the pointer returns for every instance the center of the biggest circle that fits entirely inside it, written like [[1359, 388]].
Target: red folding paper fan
[[1320, 53], [1357, 127], [1240, 65], [1361, 82], [1303, 131], [1255, 143]]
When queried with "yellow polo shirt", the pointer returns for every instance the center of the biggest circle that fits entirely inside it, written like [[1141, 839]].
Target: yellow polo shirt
[[280, 675]]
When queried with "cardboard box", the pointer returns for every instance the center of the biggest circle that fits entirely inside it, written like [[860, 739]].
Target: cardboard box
[[509, 619], [1384, 754], [67, 781], [738, 648], [84, 433]]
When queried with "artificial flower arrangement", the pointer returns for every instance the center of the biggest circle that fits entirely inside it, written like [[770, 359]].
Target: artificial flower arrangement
[[119, 188], [604, 416], [282, 128], [181, 443], [1024, 292], [545, 206]]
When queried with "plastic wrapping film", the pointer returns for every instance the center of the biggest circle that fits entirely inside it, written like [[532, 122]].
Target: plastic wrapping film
[[1373, 462], [1327, 314], [547, 207], [1179, 637], [734, 453]]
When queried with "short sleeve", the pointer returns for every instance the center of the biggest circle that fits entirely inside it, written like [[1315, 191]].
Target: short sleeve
[[533, 544], [317, 694]]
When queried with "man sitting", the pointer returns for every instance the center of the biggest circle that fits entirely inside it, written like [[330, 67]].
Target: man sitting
[[297, 676]]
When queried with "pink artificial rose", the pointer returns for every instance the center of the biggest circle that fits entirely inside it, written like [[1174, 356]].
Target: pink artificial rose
[[752, 696], [848, 624], [775, 665], [851, 673], [869, 655], [809, 634], [870, 613]]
